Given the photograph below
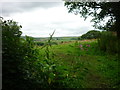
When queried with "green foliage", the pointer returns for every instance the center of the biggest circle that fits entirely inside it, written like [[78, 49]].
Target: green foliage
[[99, 11], [19, 58], [56, 75], [31, 66], [85, 68], [89, 48], [79, 64], [22, 64], [93, 34], [11, 53], [39, 43], [108, 42]]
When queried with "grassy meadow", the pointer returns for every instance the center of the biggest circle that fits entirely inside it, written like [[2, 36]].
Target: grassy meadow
[[81, 64]]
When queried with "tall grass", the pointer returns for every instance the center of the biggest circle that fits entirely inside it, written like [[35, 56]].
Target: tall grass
[[108, 42]]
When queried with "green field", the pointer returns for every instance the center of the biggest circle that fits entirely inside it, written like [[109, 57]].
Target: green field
[[81, 64]]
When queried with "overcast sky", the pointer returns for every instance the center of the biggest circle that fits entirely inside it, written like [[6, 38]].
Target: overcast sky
[[39, 19]]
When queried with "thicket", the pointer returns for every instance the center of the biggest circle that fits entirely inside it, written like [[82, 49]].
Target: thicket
[[19, 57], [23, 66]]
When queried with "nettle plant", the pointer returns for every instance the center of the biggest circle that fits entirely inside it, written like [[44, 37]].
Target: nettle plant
[[57, 74], [49, 65]]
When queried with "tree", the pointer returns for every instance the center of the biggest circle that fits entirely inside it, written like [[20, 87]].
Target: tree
[[11, 54], [19, 58], [99, 11], [93, 34]]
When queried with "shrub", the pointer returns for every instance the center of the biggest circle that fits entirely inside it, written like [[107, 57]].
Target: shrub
[[11, 54], [22, 68]]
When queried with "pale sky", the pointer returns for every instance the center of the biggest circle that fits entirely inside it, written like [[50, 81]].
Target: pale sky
[[39, 19]]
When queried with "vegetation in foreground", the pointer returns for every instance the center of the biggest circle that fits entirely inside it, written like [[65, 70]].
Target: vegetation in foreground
[[85, 66], [77, 64]]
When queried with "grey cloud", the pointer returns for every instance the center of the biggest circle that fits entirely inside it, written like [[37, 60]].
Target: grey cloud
[[77, 31], [64, 25], [13, 7]]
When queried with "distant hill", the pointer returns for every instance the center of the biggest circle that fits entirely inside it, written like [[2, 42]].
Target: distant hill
[[65, 38]]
